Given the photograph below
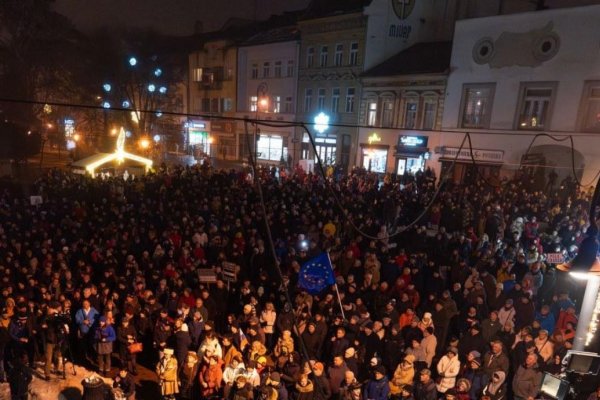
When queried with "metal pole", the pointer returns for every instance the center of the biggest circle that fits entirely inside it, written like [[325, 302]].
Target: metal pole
[[587, 309], [336, 290]]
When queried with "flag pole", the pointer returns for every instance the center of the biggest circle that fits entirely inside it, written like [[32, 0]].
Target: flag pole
[[336, 289]]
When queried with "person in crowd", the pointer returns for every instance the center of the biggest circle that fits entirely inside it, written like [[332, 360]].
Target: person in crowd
[[241, 390], [403, 375], [495, 360], [304, 388], [166, 370], [425, 388], [448, 369], [125, 383], [527, 380], [496, 388], [104, 338], [20, 377], [187, 376], [126, 336], [377, 388]]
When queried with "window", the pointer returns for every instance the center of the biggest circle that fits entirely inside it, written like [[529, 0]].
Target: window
[[290, 68], [226, 104], [271, 148], [590, 107], [477, 105], [197, 75], [339, 52], [214, 105], [206, 104], [350, 92], [253, 103], [266, 69], [534, 106], [335, 100], [277, 104], [353, 58], [254, 71], [410, 112], [429, 111], [310, 56], [321, 99], [323, 56], [288, 105], [372, 113], [277, 69], [308, 100], [387, 113]]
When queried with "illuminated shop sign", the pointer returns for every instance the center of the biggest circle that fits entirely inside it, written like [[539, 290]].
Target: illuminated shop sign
[[413, 141], [374, 138]]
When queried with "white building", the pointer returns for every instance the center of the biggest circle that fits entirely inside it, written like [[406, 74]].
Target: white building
[[515, 76], [267, 90]]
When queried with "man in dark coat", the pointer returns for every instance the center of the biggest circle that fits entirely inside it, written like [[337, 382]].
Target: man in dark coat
[[20, 378], [425, 388], [472, 341]]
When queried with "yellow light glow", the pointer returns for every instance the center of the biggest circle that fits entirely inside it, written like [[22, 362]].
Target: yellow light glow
[[76, 137], [264, 103], [144, 143], [113, 132], [135, 116], [210, 140], [119, 155]]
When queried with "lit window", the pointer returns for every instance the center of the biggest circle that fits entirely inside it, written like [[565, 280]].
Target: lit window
[[253, 103], [535, 106], [477, 105], [277, 104], [372, 113], [350, 93]]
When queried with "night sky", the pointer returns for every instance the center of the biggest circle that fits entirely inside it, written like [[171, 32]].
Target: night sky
[[175, 17]]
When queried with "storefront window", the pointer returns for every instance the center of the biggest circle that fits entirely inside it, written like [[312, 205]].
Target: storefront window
[[326, 149], [271, 148], [374, 160], [410, 165]]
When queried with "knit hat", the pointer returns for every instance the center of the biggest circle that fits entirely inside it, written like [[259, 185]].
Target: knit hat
[[477, 361], [475, 354], [380, 369]]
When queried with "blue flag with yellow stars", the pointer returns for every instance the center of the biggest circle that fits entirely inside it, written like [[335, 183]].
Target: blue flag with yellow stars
[[316, 274]]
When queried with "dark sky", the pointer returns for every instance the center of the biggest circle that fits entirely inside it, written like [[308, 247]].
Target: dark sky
[[175, 17]]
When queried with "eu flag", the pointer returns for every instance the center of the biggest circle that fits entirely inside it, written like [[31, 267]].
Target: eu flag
[[316, 274]]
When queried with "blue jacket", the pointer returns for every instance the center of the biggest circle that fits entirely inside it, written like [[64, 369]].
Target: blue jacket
[[377, 390], [547, 321], [92, 316], [107, 332]]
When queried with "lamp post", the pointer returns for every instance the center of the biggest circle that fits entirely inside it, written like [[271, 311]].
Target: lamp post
[[586, 266], [262, 103]]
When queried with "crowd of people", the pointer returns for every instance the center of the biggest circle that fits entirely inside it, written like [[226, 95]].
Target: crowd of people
[[461, 305]]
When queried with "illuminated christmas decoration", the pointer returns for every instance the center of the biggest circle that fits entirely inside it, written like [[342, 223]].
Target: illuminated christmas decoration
[[593, 328], [92, 163]]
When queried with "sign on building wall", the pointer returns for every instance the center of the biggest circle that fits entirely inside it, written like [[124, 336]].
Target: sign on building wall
[[402, 9], [496, 156]]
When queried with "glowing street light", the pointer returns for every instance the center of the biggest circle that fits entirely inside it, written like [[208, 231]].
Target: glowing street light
[[321, 122], [106, 104], [144, 143], [162, 90], [77, 137], [133, 61], [126, 104], [107, 87], [157, 72], [151, 88]]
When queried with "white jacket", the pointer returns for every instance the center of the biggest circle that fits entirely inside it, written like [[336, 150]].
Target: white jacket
[[448, 368], [230, 373]]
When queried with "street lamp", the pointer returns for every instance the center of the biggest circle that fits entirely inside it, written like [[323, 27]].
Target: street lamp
[[586, 266]]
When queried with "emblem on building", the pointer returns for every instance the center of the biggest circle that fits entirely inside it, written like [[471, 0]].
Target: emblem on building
[[403, 8]]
